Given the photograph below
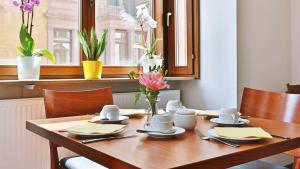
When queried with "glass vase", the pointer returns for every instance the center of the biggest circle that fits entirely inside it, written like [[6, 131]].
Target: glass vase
[[152, 107]]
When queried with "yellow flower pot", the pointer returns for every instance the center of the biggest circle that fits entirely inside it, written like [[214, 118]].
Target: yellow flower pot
[[92, 69]]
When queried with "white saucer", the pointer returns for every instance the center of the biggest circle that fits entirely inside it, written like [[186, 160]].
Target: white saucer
[[241, 122], [121, 118], [97, 135], [178, 132], [212, 133]]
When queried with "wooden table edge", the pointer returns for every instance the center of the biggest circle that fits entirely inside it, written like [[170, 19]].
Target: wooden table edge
[[99, 157]]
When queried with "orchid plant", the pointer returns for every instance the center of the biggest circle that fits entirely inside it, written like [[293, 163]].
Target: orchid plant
[[150, 85], [143, 19], [27, 44]]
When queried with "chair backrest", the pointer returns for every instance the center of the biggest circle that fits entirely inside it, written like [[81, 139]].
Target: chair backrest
[[271, 105], [293, 89], [74, 103]]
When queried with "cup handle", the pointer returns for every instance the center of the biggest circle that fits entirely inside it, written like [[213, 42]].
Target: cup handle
[[147, 125], [103, 115], [235, 118]]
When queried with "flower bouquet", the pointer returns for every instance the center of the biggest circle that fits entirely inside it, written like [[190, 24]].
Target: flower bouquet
[[150, 85]]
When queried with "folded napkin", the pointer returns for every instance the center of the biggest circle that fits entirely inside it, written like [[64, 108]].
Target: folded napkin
[[130, 112], [245, 132], [93, 128], [214, 113], [207, 112]]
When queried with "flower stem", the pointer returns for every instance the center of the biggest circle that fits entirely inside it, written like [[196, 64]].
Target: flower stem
[[28, 20], [31, 23], [23, 19]]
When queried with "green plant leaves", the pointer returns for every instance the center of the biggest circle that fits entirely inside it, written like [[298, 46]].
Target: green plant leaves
[[45, 53], [102, 44], [94, 44], [137, 97], [94, 48], [83, 39], [27, 44]]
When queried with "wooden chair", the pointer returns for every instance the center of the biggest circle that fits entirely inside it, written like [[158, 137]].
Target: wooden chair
[[293, 89], [276, 106], [74, 103]]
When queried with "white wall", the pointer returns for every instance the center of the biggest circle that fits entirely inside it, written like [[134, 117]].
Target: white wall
[[218, 84], [264, 44], [295, 29]]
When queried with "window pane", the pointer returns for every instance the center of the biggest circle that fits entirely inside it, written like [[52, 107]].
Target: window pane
[[55, 25], [181, 33], [122, 35]]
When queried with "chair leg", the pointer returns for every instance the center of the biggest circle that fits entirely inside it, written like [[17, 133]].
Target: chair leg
[[296, 163]]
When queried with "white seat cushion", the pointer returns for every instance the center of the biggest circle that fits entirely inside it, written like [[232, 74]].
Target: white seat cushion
[[80, 163], [258, 164]]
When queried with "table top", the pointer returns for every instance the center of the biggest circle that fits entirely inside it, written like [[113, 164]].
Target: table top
[[186, 151]]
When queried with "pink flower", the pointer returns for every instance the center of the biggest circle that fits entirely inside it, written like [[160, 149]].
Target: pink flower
[[27, 7], [36, 2], [16, 3], [153, 81]]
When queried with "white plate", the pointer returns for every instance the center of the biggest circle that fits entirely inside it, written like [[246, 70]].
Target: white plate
[[212, 133], [241, 122], [96, 135], [178, 132], [98, 118]]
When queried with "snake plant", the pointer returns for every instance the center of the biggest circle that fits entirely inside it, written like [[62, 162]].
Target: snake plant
[[92, 47]]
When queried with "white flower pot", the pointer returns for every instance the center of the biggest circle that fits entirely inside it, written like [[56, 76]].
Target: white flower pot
[[29, 67], [147, 63]]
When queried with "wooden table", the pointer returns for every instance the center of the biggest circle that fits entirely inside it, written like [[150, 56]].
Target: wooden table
[[186, 151]]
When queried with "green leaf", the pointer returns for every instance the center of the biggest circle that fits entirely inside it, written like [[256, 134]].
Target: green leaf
[[83, 39], [26, 42], [45, 53], [94, 44], [23, 51], [154, 46], [143, 89], [139, 46], [102, 44], [137, 97]]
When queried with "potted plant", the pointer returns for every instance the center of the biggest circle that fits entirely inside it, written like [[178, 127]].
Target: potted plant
[[28, 63], [93, 50], [143, 19]]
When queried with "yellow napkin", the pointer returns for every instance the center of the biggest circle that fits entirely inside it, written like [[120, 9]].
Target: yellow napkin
[[130, 112], [245, 132], [93, 128]]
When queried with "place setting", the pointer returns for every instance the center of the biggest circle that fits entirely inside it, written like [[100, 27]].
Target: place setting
[[110, 114], [173, 123], [230, 117], [107, 125]]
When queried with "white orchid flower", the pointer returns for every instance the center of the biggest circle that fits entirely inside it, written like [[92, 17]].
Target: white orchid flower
[[128, 18], [143, 15]]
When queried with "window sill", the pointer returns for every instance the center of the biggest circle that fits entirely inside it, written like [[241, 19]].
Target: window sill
[[72, 81]]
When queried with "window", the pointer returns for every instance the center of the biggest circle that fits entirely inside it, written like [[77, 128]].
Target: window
[[122, 35], [55, 26], [57, 22], [62, 46]]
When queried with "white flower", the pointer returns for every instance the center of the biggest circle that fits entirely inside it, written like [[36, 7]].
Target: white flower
[[128, 18], [143, 16]]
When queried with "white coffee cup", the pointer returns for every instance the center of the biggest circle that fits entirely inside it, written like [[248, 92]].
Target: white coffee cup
[[186, 119], [161, 123], [110, 112], [229, 115]]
